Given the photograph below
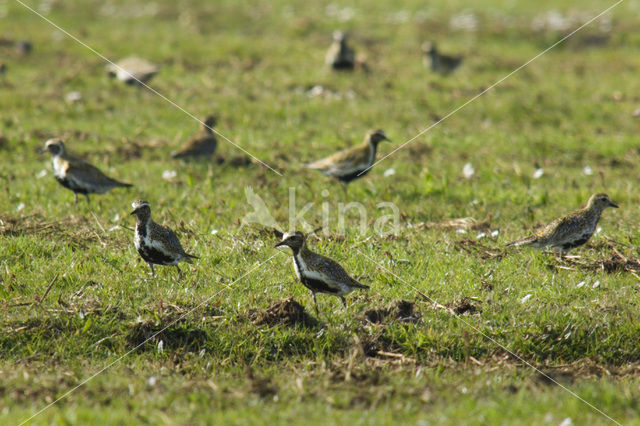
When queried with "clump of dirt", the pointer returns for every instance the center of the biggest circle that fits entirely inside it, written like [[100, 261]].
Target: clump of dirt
[[283, 312], [398, 310], [477, 249], [177, 335], [465, 306], [616, 262]]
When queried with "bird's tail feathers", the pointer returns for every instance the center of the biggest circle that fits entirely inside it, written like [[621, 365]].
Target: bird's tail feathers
[[523, 242], [356, 284], [121, 184]]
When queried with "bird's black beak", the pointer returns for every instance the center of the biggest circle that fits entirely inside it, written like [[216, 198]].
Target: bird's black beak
[[280, 244], [387, 139], [133, 212], [612, 204]]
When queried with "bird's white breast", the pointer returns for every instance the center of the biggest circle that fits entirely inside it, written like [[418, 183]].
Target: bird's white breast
[[58, 168], [298, 264], [137, 240]]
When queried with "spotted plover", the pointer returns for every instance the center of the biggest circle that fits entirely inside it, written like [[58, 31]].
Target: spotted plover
[[203, 144], [572, 230], [133, 70], [156, 244], [442, 64], [340, 56], [316, 272], [78, 175], [354, 162]]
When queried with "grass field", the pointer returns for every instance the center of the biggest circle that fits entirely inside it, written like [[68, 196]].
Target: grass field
[[77, 299]]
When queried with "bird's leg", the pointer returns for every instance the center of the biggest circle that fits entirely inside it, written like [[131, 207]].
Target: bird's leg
[[153, 273], [315, 303], [179, 273], [75, 198], [88, 200], [344, 301]]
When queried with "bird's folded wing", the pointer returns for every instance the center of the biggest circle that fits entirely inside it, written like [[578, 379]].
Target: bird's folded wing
[[197, 142], [332, 270], [351, 158], [562, 230], [86, 174], [172, 240]]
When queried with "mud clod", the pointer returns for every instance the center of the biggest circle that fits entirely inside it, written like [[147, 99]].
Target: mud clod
[[283, 312], [465, 306], [398, 310]]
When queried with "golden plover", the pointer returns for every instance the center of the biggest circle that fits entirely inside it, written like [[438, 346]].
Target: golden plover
[[132, 70], [572, 230], [340, 56], [354, 162], [316, 272], [442, 64], [155, 243], [78, 175], [203, 144]]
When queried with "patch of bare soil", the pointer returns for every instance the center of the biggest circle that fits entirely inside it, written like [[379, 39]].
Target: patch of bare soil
[[610, 263], [475, 248], [283, 312], [465, 306], [398, 310]]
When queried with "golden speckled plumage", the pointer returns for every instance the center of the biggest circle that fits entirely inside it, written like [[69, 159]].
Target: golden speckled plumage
[[351, 163], [203, 144], [318, 273], [155, 243], [78, 175], [572, 230]]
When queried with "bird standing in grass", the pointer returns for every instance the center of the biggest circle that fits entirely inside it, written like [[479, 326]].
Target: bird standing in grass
[[442, 64], [78, 175], [572, 230], [354, 162], [155, 243], [133, 71], [316, 272], [203, 144], [340, 56]]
